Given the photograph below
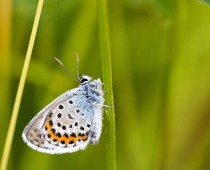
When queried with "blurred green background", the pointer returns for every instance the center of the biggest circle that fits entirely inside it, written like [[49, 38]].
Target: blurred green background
[[161, 79]]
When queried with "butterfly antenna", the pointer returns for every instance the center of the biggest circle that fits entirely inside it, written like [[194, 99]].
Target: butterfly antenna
[[77, 58], [65, 68]]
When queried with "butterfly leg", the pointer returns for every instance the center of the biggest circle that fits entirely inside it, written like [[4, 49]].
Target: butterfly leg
[[102, 105]]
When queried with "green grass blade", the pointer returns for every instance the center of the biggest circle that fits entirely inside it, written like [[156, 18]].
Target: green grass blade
[[11, 130], [107, 80]]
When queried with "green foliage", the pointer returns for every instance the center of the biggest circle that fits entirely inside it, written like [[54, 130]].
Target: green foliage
[[15, 111], [107, 79], [161, 79], [205, 1]]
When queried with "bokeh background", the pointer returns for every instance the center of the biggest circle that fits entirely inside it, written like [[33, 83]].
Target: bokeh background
[[161, 79]]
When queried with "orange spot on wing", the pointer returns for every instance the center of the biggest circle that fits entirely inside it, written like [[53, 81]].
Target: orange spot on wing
[[54, 136], [65, 139], [71, 138], [48, 125], [82, 137]]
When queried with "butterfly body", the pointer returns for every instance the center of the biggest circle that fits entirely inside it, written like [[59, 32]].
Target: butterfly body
[[70, 122]]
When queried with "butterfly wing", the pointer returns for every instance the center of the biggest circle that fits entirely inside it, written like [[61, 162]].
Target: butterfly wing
[[61, 126]]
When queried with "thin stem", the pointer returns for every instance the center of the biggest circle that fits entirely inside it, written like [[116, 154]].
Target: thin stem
[[107, 80], [12, 124]]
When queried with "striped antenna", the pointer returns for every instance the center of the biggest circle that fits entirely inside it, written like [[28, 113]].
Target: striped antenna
[[65, 69]]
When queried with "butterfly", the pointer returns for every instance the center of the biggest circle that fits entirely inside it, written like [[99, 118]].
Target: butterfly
[[70, 122]]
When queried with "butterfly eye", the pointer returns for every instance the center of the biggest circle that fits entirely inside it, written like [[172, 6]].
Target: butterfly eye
[[83, 80]]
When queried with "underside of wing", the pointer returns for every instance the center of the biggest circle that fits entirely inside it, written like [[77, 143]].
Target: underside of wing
[[59, 128]]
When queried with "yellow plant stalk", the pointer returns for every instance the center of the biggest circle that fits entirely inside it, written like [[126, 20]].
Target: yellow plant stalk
[[12, 124]]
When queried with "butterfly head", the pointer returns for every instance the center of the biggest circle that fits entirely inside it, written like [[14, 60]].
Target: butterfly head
[[84, 79], [93, 84]]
